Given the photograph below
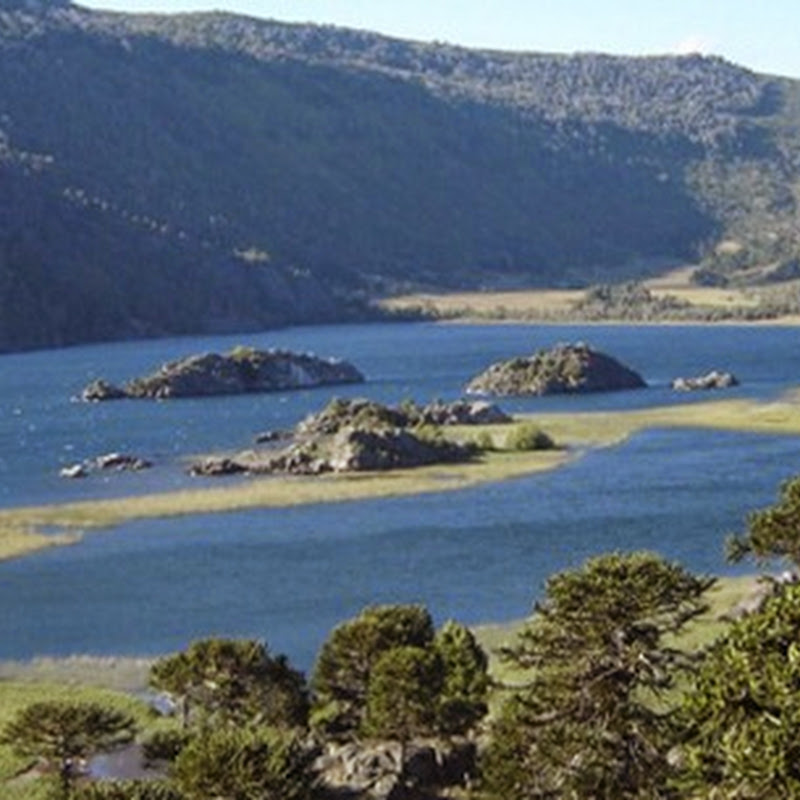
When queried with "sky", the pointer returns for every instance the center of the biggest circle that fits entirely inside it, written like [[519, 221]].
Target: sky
[[764, 36]]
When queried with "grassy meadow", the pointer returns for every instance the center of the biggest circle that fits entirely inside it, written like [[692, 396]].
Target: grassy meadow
[[559, 305]]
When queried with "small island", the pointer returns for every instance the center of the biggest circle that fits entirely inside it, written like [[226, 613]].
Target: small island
[[360, 435], [242, 370], [715, 379], [117, 462], [563, 369]]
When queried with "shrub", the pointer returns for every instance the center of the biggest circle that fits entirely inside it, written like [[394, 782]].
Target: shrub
[[527, 436], [484, 441], [244, 764], [128, 790], [164, 745]]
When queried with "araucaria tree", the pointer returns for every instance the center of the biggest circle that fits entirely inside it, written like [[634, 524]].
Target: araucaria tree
[[461, 703], [741, 719], [345, 663], [63, 734], [772, 532], [387, 674], [742, 714], [402, 695], [588, 724], [235, 681]]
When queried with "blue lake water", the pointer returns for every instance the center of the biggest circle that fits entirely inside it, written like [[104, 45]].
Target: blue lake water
[[289, 575]]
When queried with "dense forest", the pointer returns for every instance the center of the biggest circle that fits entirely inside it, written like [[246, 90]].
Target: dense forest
[[208, 172]]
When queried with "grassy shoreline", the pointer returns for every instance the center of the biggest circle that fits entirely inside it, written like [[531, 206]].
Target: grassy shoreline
[[693, 305], [26, 530], [129, 674]]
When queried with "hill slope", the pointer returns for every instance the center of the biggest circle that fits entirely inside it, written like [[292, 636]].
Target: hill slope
[[210, 172]]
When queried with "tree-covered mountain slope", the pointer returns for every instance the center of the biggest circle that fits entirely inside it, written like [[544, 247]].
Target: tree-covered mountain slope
[[199, 172]]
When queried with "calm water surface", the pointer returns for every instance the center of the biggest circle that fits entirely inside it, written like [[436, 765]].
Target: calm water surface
[[290, 575]]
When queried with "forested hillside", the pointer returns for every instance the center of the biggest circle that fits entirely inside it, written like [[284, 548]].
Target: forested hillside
[[207, 172]]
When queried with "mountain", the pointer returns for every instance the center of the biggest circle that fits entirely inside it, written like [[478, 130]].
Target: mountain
[[210, 172]]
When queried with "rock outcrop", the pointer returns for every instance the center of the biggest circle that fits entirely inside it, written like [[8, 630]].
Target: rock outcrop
[[360, 435], [351, 449], [711, 380], [117, 462], [214, 466], [357, 412], [387, 771], [360, 412], [463, 412], [564, 369], [102, 390], [356, 450], [241, 371]]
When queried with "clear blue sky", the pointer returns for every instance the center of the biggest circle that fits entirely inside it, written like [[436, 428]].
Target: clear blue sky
[[764, 35]]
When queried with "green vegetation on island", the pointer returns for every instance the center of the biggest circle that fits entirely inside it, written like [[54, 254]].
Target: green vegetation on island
[[240, 371], [563, 369]]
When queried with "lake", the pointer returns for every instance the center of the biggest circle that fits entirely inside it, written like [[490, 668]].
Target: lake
[[289, 575]]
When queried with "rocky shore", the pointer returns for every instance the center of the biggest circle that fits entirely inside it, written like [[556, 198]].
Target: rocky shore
[[240, 371], [563, 369]]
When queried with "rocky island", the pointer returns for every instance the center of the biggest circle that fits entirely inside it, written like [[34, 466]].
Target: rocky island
[[117, 462], [563, 369], [361, 435], [716, 379], [242, 370]]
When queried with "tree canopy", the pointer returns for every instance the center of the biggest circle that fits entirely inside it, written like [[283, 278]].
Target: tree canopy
[[234, 680], [741, 718], [465, 680], [387, 673], [586, 724], [341, 677], [62, 734], [244, 764], [772, 532], [402, 696]]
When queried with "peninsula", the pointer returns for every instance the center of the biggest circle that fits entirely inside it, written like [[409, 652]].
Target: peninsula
[[26, 529]]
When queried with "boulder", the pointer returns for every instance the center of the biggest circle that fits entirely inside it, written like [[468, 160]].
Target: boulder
[[371, 771], [214, 467], [99, 390], [241, 371], [74, 471], [463, 412], [714, 379], [357, 450], [267, 437], [563, 369], [387, 771], [121, 462]]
